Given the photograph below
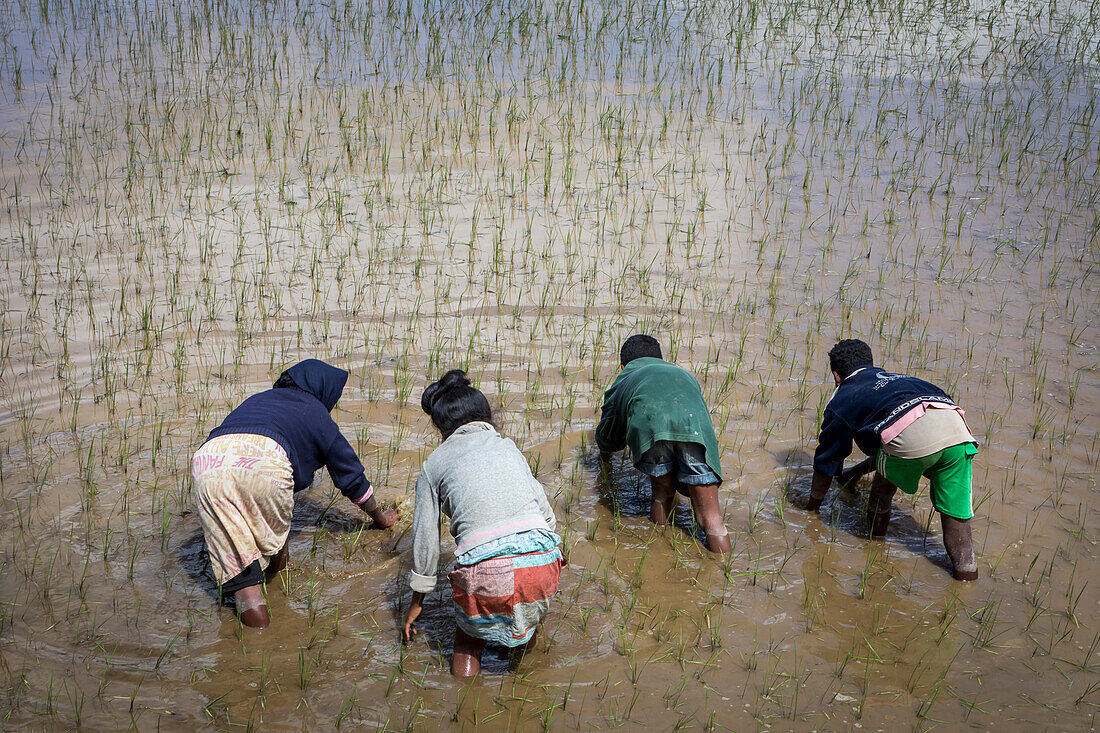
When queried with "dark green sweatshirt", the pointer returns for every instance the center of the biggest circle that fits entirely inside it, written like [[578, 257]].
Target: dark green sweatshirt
[[653, 400]]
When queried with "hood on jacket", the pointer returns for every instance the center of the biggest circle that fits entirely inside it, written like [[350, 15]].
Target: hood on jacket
[[323, 381]]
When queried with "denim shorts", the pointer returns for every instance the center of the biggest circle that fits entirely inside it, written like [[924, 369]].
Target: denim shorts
[[689, 460]]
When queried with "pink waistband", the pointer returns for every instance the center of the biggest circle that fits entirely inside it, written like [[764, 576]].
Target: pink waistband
[[520, 526], [911, 416]]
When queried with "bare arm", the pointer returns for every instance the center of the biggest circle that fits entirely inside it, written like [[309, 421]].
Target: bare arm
[[856, 472], [822, 481], [417, 605]]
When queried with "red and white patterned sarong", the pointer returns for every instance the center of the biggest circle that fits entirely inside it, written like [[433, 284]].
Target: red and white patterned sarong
[[503, 599]]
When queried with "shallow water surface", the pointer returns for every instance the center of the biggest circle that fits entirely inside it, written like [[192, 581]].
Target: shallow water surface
[[193, 197]]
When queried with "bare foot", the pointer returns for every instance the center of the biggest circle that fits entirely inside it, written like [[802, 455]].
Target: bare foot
[[719, 543], [252, 608]]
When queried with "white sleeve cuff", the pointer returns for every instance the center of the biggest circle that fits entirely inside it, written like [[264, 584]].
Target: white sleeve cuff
[[421, 583]]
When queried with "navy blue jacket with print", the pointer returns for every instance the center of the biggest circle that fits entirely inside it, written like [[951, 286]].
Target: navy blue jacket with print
[[298, 419], [866, 403]]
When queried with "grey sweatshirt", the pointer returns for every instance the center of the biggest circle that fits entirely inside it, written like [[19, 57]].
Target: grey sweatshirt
[[483, 483]]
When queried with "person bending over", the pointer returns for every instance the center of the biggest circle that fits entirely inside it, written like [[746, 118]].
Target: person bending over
[[909, 428], [508, 559], [657, 409], [249, 468]]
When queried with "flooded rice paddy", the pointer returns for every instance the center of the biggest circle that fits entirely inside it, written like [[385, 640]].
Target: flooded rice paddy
[[194, 195]]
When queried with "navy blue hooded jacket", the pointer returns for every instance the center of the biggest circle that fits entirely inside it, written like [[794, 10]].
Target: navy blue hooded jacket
[[866, 403], [299, 421]]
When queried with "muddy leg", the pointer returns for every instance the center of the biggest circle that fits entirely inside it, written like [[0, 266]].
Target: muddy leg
[[279, 561], [708, 513], [251, 607], [664, 499], [879, 505], [960, 547], [467, 656]]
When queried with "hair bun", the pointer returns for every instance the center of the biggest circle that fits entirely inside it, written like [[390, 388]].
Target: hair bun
[[454, 379]]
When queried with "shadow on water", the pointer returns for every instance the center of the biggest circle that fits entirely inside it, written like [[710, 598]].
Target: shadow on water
[[626, 492], [195, 561], [845, 508]]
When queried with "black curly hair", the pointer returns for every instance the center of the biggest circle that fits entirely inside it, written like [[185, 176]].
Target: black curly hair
[[849, 355], [637, 346]]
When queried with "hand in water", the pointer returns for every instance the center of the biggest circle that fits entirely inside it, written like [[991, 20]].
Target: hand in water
[[386, 519], [409, 631]]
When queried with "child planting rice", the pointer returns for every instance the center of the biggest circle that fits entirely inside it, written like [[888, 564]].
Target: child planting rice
[[247, 471], [657, 409], [911, 428], [508, 559]]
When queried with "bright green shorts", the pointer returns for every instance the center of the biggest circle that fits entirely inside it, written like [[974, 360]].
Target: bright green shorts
[[948, 472]]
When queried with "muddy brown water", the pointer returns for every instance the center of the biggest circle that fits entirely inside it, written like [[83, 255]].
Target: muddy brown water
[[193, 197]]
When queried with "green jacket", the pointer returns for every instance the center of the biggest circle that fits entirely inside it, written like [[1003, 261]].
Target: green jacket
[[653, 400]]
